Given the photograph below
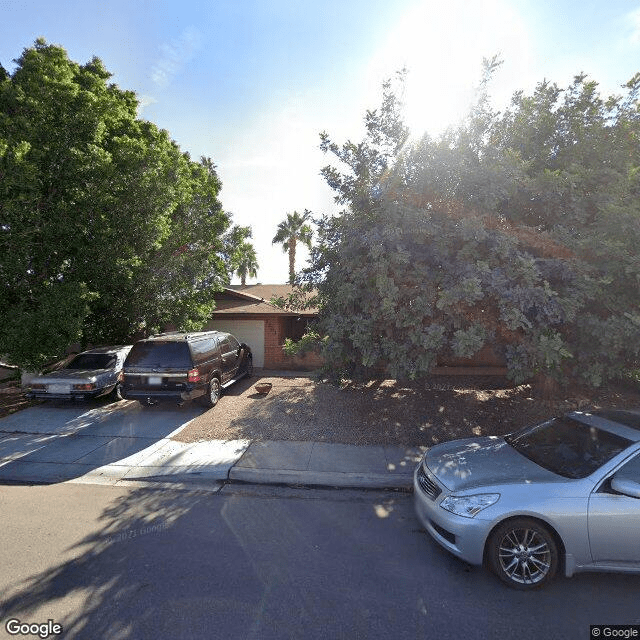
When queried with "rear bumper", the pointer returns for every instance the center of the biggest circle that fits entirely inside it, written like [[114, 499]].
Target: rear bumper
[[162, 395], [73, 395]]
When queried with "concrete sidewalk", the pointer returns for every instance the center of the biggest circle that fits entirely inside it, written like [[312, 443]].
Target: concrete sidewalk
[[324, 464], [125, 444], [206, 464]]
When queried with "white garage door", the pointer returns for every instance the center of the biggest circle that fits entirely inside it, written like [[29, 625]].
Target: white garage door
[[249, 331]]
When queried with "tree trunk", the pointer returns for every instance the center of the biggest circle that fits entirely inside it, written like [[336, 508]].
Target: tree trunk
[[545, 387], [292, 259]]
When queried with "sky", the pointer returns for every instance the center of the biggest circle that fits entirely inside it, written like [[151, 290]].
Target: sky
[[252, 83]]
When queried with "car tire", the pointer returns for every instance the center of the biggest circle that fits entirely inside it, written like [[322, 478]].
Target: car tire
[[249, 366], [211, 397], [116, 394], [523, 553]]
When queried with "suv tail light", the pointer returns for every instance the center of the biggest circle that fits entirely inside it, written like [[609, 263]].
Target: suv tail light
[[194, 375]]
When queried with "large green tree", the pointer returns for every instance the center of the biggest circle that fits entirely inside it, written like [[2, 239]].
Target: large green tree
[[518, 229], [295, 228], [107, 229]]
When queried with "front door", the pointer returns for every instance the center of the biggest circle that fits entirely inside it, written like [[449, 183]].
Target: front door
[[614, 521], [230, 351]]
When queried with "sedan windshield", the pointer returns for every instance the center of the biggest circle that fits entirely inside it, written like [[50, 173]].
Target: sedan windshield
[[89, 361], [567, 447]]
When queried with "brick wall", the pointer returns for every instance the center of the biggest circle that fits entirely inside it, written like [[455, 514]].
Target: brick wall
[[274, 356], [273, 340]]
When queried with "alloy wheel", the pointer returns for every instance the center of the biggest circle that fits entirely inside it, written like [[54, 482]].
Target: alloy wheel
[[214, 392], [523, 553], [525, 556]]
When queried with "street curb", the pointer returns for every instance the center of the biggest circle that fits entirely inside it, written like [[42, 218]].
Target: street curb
[[321, 478]]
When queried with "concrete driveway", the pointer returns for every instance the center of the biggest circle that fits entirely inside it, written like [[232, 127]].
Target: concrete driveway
[[108, 443]]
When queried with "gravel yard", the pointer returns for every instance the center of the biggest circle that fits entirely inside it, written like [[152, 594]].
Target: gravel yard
[[384, 412]]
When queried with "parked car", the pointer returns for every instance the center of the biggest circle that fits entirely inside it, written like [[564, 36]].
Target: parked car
[[561, 496], [185, 366], [93, 373]]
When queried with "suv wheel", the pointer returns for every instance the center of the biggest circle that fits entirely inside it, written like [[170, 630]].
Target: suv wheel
[[249, 366], [210, 399], [116, 394]]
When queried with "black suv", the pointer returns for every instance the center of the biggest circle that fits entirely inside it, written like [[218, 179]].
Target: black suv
[[184, 366]]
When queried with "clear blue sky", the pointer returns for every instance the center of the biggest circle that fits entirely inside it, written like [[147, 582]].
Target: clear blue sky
[[251, 83]]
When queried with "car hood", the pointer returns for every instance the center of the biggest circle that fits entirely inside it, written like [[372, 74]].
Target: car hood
[[479, 462]]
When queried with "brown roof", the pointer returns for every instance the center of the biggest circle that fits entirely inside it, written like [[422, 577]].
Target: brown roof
[[254, 299]]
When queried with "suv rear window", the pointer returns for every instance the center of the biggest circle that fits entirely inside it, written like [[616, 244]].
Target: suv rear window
[[160, 354]]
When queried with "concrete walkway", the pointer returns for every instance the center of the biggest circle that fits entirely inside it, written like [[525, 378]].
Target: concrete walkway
[[124, 443], [324, 464]]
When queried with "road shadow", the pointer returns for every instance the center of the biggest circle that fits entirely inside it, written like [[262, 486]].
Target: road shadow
[[160, 564], [116, 565]]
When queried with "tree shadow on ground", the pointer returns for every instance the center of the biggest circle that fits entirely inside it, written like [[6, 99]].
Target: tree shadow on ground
[[160, 564], [140, 572], [60, 440], [386, 412]]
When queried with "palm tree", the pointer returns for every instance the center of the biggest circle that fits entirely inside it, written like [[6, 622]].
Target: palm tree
[[291, 231], [248, 262]]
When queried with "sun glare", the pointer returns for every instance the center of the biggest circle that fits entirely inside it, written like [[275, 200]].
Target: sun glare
[[442, 46]]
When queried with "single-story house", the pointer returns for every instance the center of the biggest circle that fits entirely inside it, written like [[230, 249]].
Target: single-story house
[[247, 312]]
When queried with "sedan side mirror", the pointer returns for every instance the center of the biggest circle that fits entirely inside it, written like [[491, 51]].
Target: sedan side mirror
[[625, 486]]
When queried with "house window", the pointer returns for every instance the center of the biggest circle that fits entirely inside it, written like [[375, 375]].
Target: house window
[[295, 328]]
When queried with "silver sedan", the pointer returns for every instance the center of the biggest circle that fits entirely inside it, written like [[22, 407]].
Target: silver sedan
[[90, 374], [562, 496]]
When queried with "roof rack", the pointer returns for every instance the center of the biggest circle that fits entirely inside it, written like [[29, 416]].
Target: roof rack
[[183, 334]]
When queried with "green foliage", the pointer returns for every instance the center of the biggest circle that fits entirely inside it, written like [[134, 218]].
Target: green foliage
[[107, 229], [518, 229], [240, 255], [466, 342], [291, 231], [248, 263], [302, 297], [310, 341]]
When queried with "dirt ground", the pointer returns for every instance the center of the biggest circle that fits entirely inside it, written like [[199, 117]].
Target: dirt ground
[[377, 413], [12, 398], [385, 412]]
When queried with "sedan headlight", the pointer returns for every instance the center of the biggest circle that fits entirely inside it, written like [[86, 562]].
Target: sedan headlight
[[469, 506]]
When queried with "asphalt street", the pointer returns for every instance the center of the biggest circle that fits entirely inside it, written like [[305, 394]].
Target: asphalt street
[[262, 562]]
